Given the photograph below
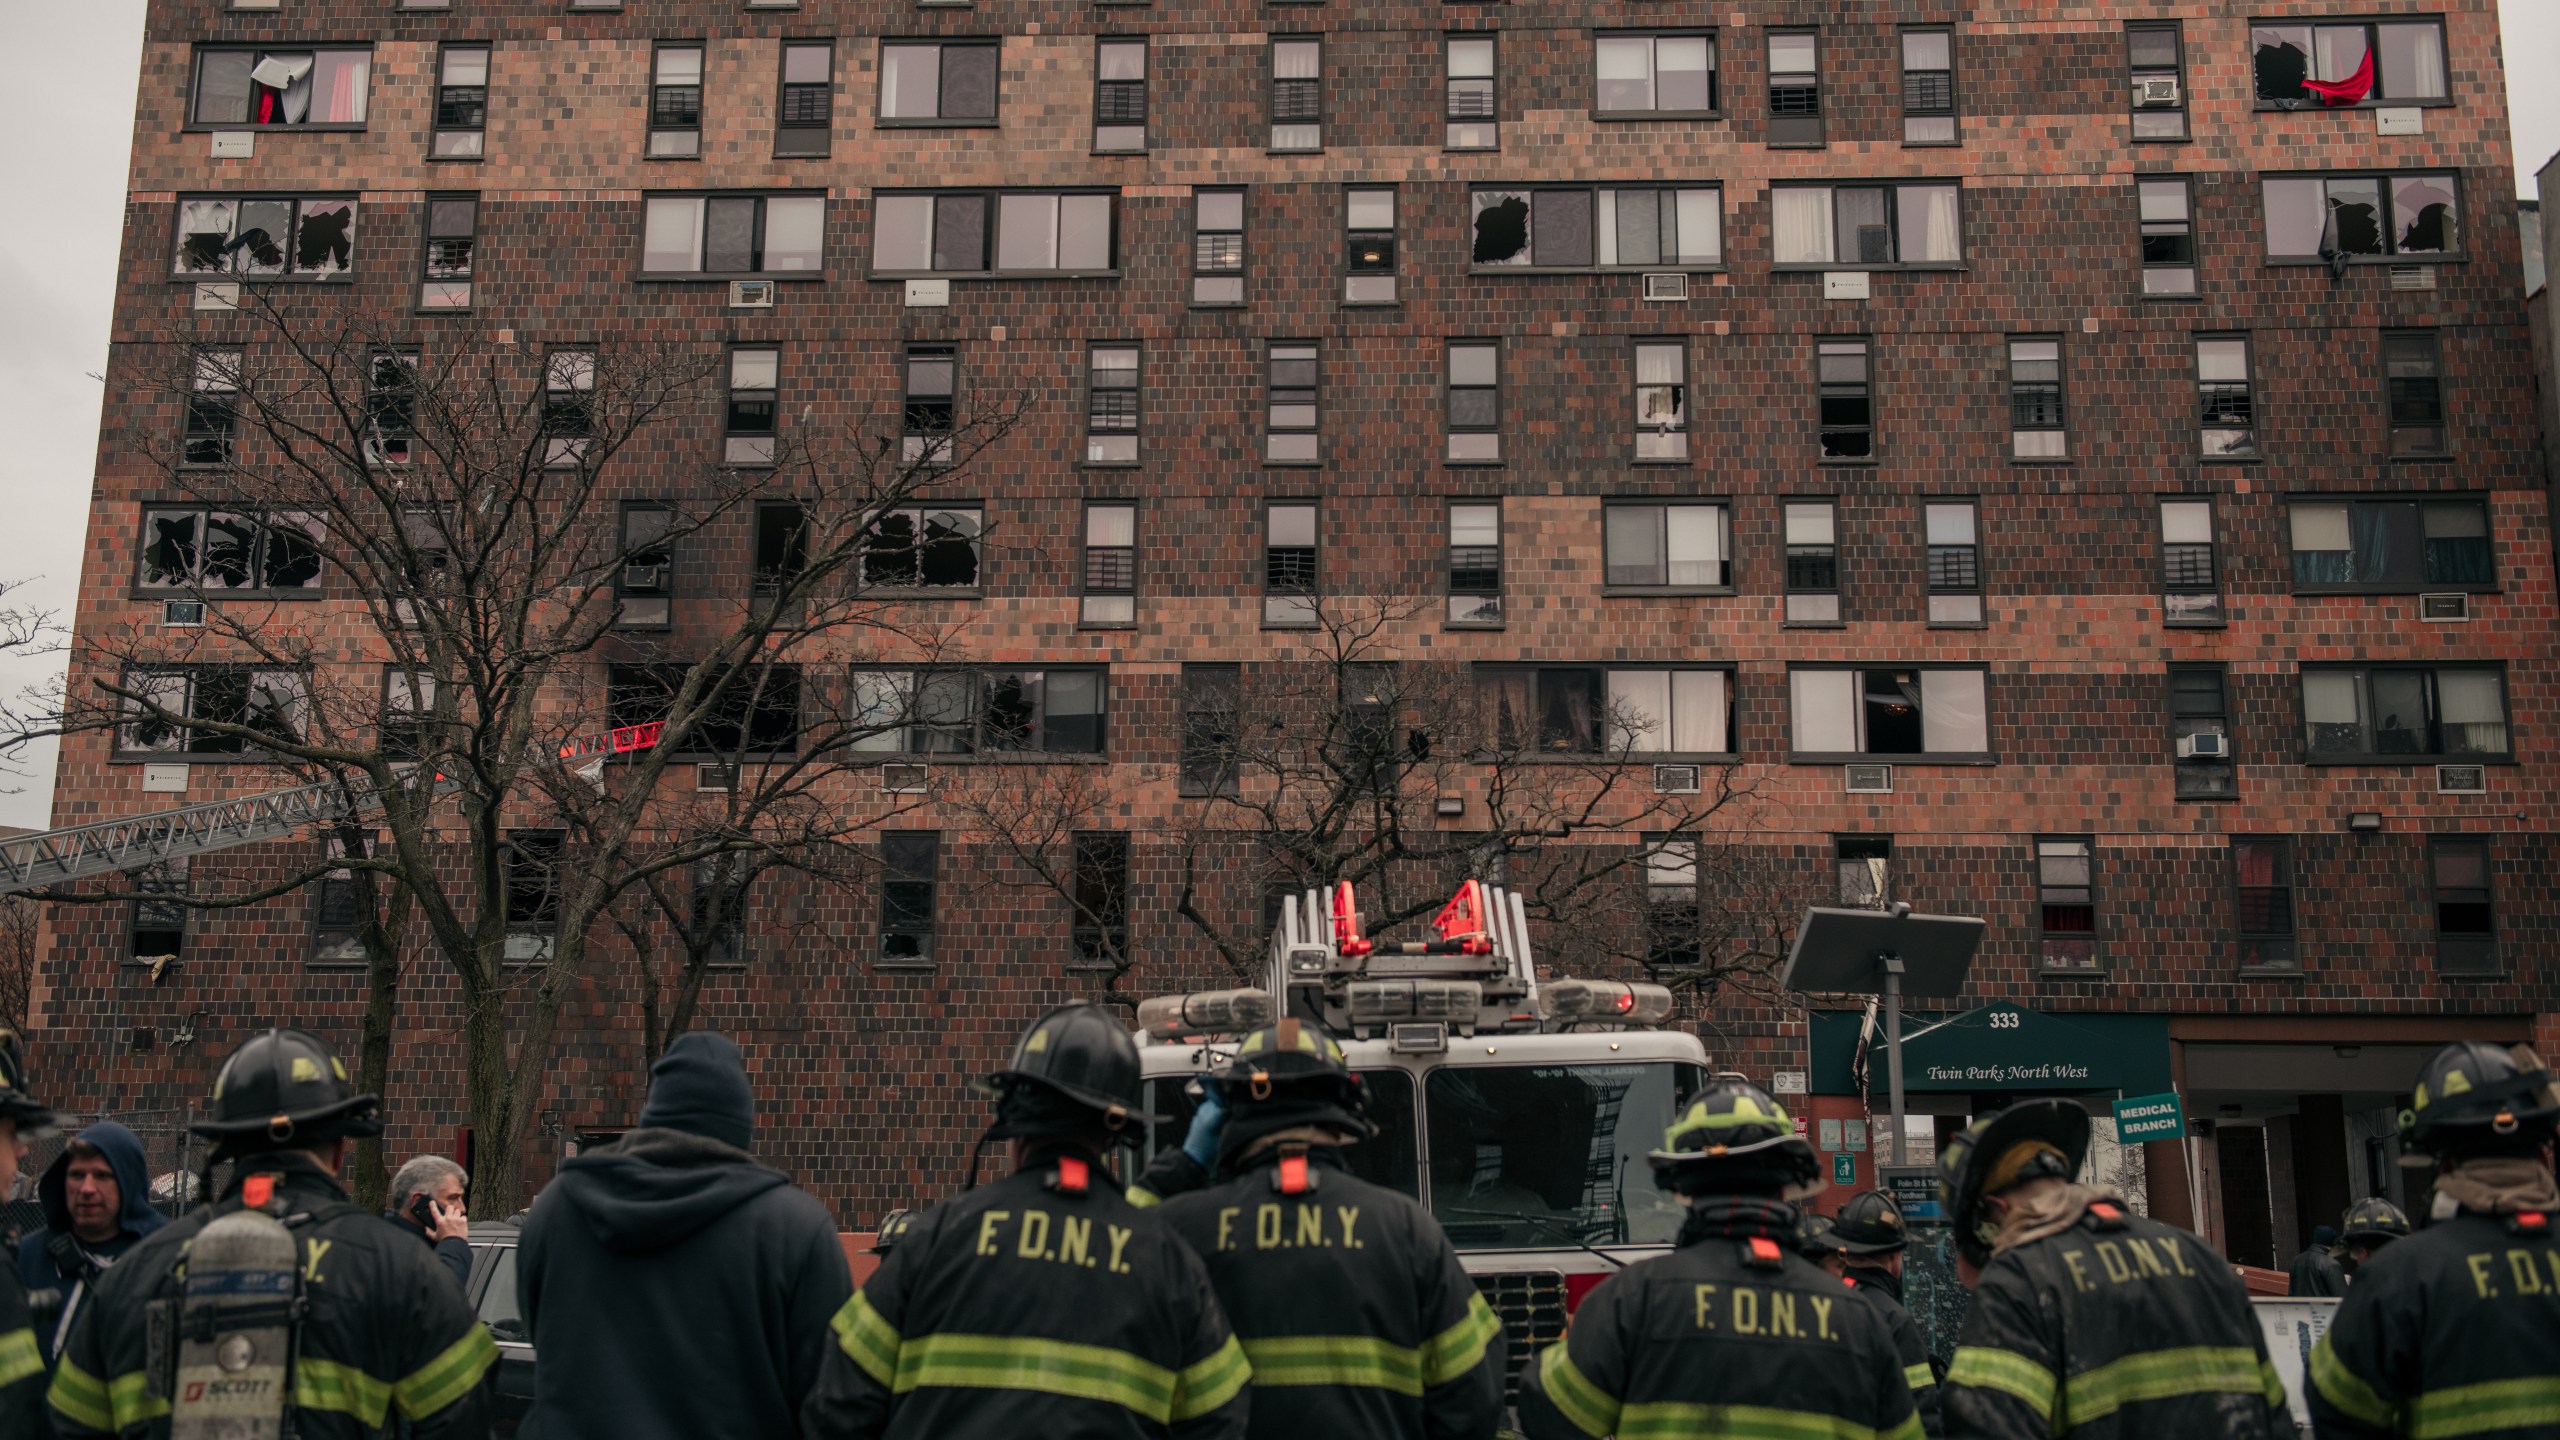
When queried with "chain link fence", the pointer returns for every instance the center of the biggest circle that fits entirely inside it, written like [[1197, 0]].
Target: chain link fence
[[174, 1158]]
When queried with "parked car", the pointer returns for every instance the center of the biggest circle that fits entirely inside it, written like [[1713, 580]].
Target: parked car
[[493, 1298]]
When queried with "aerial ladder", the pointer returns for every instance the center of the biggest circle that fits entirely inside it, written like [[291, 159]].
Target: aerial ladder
[[134, 842]]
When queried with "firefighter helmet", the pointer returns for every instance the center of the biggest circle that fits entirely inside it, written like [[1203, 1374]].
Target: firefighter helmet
[[15, 1103], [1871, 1224], [1816, 1236], [2030, 1139], [2475, 1098], [1080, 1053], [286, 1088], [1285, 1076], [2373, 1224], [893, 1231], [1734, 1135]]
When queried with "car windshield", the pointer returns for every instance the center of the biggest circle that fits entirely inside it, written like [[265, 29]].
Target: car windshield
[[1387, 1160], [498, 1308], [1534, 1156]]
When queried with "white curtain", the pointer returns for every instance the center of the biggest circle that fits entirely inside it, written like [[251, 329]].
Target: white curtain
[[1953, 717], [2320, 527], [1701, 227], [1696, 544], [1932, 232], [671, 240], [1697, 712], [1801, 218], [1825, 705], [1640, 710]]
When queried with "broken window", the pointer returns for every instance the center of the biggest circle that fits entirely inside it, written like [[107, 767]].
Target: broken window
[[1544, 708], [1846, 403], [2066, 902], [1813, 562], [1475, 562], [1369, 219], [2391, 546], [2155, 54], [1110, 564], [1473, 117], [2190, 576], [938, 83], [2342, 220], [391, 407], [909, 860], [1290, 436], [752, 708], [1057, 711], [1928, 87], [1210, 696], [1662, 400], [310, 238], [1795, 88], [1864, 866], [1217, 247], [2035, 401], [2228, 404], [804, 117], [718, 891], [1475, 400], [930, 415], [337, 911], [452, 240], [1867, 225], [1111, 405], [1671, 712], [733, 234], [782, 545], [2262, 886], [2413, 394], [568, 406], [2466, 912], [197, 549], [928, 233], [462, 103], [1949, 529], [267, 703], [1120, 96], [675, 103], [1889, 711], [755, 378], [1672, 74], [1297, 94], [1289, 564], [158, 927], [408, 710], [531, 868], [645, 583], [2200, 704], [213, 408], [923, 549], [1578, 228], [269, 88], [2391, 62], [2168, 226], [1101, 929], [1671, 902], [1674, 545], [2388, 714]]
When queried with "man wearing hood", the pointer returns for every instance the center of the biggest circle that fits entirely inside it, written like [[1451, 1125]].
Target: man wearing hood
[[2316, 1270], [675, 1287], [97, 1205]]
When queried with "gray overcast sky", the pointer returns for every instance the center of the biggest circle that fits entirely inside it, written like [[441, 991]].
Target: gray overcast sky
[[57, 279]]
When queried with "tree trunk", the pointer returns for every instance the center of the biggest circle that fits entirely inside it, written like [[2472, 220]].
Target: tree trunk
[[385, 927], [497, 1169]]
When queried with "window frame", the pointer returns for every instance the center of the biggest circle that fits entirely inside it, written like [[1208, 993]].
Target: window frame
[[2206, 781], [1636, 755], [652, 129], [931, 450], [994, 198], [1218, 676], [199, 50], [291, 274], [1271, 95], [701, 228], [624, 588], [1821, 136], [165, 877], [1954, 112], [881, 119], [1866, 347], [2256, 453], [2363, 671], [1664, 503], [1092, 936], [1449, 570], [1786, 566], [2391, 447], [912, 730], [1352, 276], [1085, 549], [701, 745], [1136, 389], [1449, 122], [2194, 268], [2384, 181], [1989, 756], [2134, 74], [922, 510], [1534, 747], [1314, 592], [1892, 188], [2061, 425], [1636, 386], [1715, 72], [2213, 558], [823, 144], [2289, 938], [1244, 228], [906, 870], [440, 295], [205, 364], [2259, 104], [1449, 388], [137, 589], [1979, 590], [731, 453], [2421, 499], [436, 128], [1592, 191], [2477, 955], [2095, 937], [183, 748], [1145, 84], [1272, 430]]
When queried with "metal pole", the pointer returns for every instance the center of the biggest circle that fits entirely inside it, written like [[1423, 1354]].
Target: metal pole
[[1893, 1051]]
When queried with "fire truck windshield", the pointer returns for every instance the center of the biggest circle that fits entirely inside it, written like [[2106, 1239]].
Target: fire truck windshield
[[1536, 1156]]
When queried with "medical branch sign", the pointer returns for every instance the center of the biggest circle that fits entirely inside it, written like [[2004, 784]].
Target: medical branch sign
[[2150, 1117]]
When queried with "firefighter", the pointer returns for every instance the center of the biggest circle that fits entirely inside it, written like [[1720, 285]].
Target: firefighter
[[1732, 1333], [21, 1362], [2456, 1330], [893, 1229], [1348, 1299], [1045, 1303], [199, 1327], [2088, 1320], [2369, 1225], [1863, 1246]]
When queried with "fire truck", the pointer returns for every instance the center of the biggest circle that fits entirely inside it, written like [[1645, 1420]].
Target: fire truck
[[1517, 1108]]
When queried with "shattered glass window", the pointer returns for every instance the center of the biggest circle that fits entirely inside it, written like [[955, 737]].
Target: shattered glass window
[[281, 87], [266, 237]]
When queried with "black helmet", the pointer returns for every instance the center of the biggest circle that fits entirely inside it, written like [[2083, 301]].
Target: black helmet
[[2029, 1139], [1081, 1054], [2373, 1224], [285, 1088], [1816, 1236], [2475, 1098], [1871, 1224], [15, 1103], [893, 1230], [1735, 1135], [1287, 1075]]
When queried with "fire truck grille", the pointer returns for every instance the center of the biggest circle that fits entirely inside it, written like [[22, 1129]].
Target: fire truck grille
[[1531, 1305]]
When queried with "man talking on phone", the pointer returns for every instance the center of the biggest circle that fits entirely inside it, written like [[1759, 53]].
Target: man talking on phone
[[426, 1201]]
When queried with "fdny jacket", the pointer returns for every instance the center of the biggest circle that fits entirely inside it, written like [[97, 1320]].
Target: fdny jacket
[[1882, 1290], [1349, 1302], [21, 1365], [1730, 1334], [387, 1329], [2118, 1328], [1044, 1304], [2453, 1331]]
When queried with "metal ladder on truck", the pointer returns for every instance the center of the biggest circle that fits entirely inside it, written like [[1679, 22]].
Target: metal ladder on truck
[[134, 842]]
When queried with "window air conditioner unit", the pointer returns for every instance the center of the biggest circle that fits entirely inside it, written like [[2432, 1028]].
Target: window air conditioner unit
[[649, 576], [2155, 90], [750, 294], [902, 779], [1675, 779], [1870, 779], [2204, 745], [2462, 779], [2413, 277], [2444, 607], [182, 612], [1666, 287], [715, 777]]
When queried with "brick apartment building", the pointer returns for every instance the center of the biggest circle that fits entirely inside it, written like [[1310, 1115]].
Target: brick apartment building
[[2076, 472]]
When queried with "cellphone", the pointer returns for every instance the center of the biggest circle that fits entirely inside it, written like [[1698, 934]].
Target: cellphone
[[422, 1208]]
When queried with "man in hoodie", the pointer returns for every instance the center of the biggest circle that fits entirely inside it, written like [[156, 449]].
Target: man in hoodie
[[675, 1287], [2316, 1270], [97, 1205]]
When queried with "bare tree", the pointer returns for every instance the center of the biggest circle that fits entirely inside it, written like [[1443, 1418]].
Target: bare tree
[[486, 511], [18, 919]]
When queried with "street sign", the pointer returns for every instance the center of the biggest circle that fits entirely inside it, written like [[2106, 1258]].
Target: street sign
[[1787, 1082], [1914, 1188], [1856, 1131], [2150, 1117], [1844, 1169], [1831, 1134]]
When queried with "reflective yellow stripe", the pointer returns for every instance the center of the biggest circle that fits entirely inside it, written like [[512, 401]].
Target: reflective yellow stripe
[[1592, 1410], [1460, 1348], [80, 1398], [1982, 1367], [19, 1357], [1669, 1421], [1142, 1197], [1205, 1385], [2160, 1375], [2529, 1403], [328, 1385], [2348, 1391], [1918, 1377], [1335, 1360], [866, 1339], [2277, 1399], [1053, 1367], [448, 1377], [129, 1396]]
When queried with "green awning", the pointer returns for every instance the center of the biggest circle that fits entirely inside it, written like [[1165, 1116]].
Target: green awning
[[2000, 1047]]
